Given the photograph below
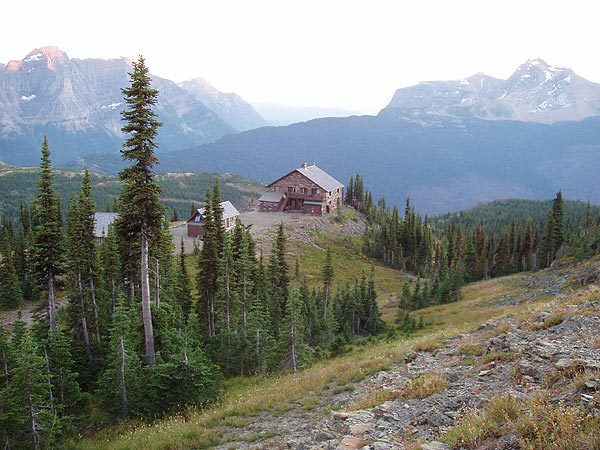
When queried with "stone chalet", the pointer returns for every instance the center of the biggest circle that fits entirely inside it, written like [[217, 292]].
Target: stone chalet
[[195, 224], [101, 222], [307, 189]]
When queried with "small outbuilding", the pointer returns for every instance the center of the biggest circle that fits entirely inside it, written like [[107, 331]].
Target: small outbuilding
[[195, 224]]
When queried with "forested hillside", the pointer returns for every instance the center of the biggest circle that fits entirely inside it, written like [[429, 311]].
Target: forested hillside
[[498, 216], [179, 190]]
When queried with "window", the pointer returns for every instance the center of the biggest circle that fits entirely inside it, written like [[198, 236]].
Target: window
[[314, 191], [197, 218], [302, 190]]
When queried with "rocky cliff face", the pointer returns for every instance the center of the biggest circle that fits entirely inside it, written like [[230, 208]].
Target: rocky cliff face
[[536, 92], [230, 107], [77, 104]]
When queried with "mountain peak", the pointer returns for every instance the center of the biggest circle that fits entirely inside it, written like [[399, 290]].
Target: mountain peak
[[535, 92], [50, 55], [48, 52]]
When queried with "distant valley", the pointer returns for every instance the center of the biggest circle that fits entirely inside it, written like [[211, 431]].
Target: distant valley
[[446, 145]]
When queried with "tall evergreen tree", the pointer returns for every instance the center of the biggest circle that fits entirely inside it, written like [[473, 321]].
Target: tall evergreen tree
[[141, 214], [327, 275], [182, 287], [208, 268], [278, 269], [47, 246]]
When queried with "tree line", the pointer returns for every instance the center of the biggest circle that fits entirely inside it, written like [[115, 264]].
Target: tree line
[[132, 339]]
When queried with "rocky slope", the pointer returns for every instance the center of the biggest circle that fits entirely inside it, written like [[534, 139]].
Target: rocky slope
[[535, 92], [539, 366], [77, 104]]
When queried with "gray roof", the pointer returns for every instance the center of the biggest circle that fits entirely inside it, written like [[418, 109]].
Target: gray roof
[[102, 221], [271, 196], [317, 176], [228, 210], [320, 177]]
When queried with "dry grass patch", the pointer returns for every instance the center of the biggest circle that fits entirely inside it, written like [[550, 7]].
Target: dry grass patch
[[425, 385], [549, 322], [427, 345], [536, 424], [374, 398], [471, 349]]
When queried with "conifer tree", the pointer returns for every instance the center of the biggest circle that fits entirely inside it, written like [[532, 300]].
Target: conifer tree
[[292, 351], [7, 361], [182, 289], [141, 214], [47, 247], [11, 294], [71, 401], [83, 268], [278, 269], [29, 413], [259, 330], [208, 269], [121, 390], [110, 266], [327, 275]]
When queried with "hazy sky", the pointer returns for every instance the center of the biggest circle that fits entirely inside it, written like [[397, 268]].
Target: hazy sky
[[335, 53]]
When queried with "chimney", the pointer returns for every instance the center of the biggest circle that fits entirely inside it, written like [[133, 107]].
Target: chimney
[[303, 165]]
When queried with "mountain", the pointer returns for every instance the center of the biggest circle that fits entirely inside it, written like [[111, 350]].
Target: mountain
[[230, 107], [443, 165], [536, 92], [278, 115], [77, 104]]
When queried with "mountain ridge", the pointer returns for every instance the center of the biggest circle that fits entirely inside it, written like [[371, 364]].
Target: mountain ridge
[[76, 103], [535, 92]]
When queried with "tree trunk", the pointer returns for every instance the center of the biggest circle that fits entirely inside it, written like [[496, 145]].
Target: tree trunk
[[294, 352], [157, 283], [94, 304], [51, 302], [35, 439], [113, 294], [145, 287], [49, 375], [122, 385]]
